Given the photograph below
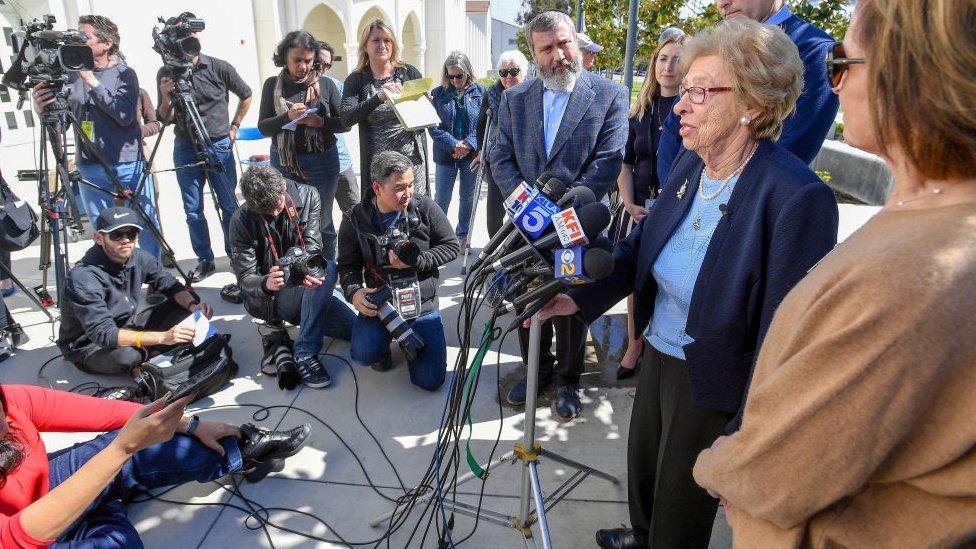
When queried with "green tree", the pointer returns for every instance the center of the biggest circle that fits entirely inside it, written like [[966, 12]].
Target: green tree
[[531, 8]]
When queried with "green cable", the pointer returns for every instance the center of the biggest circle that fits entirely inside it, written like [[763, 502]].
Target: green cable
[[473, 372]]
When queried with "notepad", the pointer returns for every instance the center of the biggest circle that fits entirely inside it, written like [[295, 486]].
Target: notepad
[[203, 329], [412, 106], [293, 125]]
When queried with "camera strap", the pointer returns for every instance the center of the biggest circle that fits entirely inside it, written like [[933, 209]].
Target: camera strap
[[291, 211]]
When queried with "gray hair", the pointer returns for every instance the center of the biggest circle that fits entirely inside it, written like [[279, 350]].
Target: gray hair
[[513, 56], [263, 188], [545, 22], [386, 163], [457, 60]]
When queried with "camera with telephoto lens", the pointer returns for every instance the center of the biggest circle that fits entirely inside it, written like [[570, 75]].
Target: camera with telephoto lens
[[296, 263], [47, 56], [399, 243], [175, 42]]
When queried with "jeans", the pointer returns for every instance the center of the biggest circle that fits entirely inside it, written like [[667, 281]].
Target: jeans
[[321, 172], [94, 201], [191, 182], [371, 342], [177, 461], [444, 176], [318, 313]]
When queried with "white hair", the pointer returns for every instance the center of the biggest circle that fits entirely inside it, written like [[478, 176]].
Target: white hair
[[513, 56]]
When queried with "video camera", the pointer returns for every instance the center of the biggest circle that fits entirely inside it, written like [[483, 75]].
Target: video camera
[[175, 42], [399, 243], [296, 263], [47, 56]]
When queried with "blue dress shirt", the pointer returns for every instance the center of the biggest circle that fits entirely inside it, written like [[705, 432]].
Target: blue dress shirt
[[780, 16], [676, 269], [553, 106]]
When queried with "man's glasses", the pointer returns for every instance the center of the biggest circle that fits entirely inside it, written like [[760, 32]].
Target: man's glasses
[[837, 63], [327, 66], [131, 234], [505, 73], [697, 95], [457, 76]]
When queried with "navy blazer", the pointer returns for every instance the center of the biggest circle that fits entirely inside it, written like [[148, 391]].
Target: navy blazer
[[805, 130], [589, 145], [782, 220], [444, 141]]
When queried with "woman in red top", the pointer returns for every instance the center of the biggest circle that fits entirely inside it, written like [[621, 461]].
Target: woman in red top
[[76, 494]]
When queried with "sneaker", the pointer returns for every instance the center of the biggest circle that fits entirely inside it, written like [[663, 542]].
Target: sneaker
[[18, 336], [203, 270], [312, 372], [7, 287], [516, 395], [567, 404], [6, 346]]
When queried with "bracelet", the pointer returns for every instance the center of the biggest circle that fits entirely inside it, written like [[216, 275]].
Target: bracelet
[[138, 344], [192, 425]]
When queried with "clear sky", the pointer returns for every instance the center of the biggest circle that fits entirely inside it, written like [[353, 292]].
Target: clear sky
[[506, 10]]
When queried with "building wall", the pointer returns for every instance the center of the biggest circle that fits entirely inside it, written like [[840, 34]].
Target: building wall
[[477, 36], [503, 38]]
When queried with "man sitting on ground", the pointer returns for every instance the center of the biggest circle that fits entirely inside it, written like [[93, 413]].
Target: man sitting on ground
[[278, 221], [369, 261], [102, 329]]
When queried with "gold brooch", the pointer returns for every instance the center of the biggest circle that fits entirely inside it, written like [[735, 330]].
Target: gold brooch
[[682, 190]]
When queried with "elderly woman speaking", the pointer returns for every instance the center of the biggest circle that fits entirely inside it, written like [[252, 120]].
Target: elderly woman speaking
[[738, 223]]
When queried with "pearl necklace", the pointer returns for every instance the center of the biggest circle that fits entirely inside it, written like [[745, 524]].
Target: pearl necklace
[[696, 224], [936, 190]]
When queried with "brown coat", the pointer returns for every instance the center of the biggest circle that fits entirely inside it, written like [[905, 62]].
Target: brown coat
[[860, 425]]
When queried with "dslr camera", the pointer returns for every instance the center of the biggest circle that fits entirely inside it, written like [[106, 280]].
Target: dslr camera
[[295, 263], [175, 43], [45, 55], [399, 243]]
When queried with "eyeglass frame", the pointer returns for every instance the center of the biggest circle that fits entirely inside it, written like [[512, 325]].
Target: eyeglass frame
[[514, 71], [837, 66], [704, 91], [456, 76], [118, 234]]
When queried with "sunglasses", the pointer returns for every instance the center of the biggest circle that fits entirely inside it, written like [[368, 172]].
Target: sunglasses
[[131, 234], [505, 73], [838, 62], [457, 76], [327, 65]]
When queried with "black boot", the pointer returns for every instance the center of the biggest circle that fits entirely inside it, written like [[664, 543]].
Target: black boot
[[264, 451], [617, 538]]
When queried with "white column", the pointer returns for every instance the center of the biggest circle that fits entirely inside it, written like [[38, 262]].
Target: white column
[[352, 55], [267, 34]]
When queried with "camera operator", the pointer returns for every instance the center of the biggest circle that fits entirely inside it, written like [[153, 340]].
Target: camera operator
[[278, 223], [105, 103], [101, 330], [211, 80], [391, 220]]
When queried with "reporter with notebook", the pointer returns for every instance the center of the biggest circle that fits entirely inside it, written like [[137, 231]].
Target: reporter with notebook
[[364, 102]]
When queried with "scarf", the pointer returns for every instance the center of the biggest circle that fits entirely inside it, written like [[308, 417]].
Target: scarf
[[314, 140]]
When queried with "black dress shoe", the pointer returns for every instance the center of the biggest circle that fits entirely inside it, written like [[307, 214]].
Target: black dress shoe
[[203, 270], [617, 538], [232, 293], [263, 451], [625, 373], [567, 405]]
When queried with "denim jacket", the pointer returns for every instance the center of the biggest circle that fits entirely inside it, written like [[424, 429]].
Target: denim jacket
[[443, 100]]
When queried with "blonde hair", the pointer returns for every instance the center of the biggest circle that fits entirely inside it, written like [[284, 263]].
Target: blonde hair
[[763, 65], [651, 87], [921, 59], [364, 38]]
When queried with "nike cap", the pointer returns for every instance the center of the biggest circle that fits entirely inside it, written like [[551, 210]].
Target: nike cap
[[115, 218], [587, 43]]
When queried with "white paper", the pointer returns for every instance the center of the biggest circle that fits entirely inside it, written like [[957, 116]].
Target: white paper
[[293, 125], [201, 324]]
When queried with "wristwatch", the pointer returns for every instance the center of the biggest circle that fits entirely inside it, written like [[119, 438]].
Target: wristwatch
[[192, 425]]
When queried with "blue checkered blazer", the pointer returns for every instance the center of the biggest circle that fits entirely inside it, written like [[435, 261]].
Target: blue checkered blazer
[[589, 145]]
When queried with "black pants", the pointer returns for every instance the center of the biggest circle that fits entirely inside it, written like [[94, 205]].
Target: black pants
[[495, 206], [566, 366], [667, 432], [119, 360]]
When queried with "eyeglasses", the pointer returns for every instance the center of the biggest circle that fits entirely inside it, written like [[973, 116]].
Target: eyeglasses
[[457, 76], [118, 235], [327, 65], [697, 95], [837, 63], [505, 73]]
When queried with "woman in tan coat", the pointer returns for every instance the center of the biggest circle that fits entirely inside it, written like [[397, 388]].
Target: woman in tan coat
[[860, 425]]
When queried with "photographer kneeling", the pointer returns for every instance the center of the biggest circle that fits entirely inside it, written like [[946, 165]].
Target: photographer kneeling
[[101, 330], [276, 254], [397, 243]]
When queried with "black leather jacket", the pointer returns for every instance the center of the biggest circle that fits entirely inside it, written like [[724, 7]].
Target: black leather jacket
[[250, 254]]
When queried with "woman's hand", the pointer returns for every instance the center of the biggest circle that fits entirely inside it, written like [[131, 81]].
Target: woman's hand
[[296, 110], [210, 432], [152, 424], [636, 212], [475, 162], [361, 304], [391, 87], [461, 150], [561, 305]]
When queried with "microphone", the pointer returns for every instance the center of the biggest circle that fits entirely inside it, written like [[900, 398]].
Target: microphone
[[724, 208], [577, 227], [597, 263], [505, 238]]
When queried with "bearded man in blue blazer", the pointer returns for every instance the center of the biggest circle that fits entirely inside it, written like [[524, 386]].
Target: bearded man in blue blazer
[[571, 125]]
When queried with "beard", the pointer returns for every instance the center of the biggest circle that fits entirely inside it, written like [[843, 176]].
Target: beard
[[562, 82]]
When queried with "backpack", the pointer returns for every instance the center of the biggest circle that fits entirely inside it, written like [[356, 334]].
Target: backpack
[[206, 369], [18, 221]]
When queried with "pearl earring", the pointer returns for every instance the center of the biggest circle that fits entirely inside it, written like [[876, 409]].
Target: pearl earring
[[744, 120]]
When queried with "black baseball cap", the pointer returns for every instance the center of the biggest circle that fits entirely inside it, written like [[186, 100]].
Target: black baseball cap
[[115, 218]]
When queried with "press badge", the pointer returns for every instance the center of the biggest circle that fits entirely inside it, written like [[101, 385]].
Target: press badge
[[88, 128], [406, 295]]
